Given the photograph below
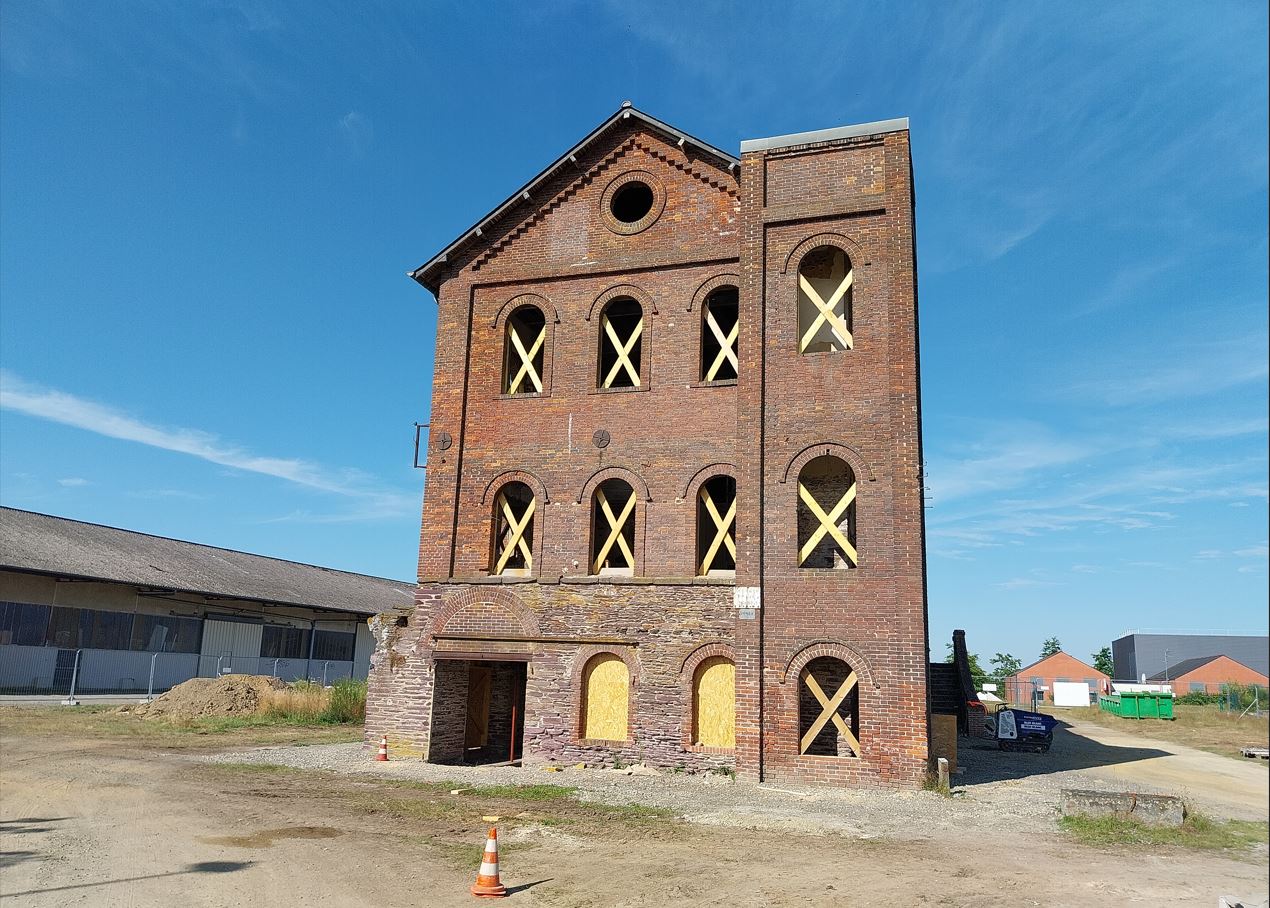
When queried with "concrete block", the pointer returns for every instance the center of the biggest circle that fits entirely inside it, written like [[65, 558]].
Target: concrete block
[[1154, 809]]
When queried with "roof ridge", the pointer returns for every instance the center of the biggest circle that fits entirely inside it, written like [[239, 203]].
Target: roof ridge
[[204, 545]]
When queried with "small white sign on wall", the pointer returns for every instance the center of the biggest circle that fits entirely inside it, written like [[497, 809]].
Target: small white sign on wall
[[747, 597]]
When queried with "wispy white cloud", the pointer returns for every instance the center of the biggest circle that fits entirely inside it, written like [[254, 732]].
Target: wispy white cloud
[[357, 132], [57, 406], [72, 482]]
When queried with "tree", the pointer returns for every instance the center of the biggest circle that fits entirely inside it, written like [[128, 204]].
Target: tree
[[1003, 666], [1104, 663], [977, 674], [1050, 647]]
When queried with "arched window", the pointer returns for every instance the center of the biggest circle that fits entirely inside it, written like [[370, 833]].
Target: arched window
[[719, 330], [613, 528], [714, 703], [826, 514], [621, 344], [523, 351], [828, 709], [513, 549], [716, 526], [605, 698], [824, 301]]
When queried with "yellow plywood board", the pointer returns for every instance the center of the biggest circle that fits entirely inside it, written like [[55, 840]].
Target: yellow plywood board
[[715, 702], [606, 689]]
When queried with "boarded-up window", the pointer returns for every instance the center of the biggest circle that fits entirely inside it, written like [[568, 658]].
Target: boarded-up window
[[714, 703], [605, 695]]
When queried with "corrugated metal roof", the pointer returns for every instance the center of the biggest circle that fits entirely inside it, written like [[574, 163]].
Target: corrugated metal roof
[[525, 193], [58, 546]]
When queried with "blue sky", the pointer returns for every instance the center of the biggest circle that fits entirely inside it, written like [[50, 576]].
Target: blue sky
[[207, 211]]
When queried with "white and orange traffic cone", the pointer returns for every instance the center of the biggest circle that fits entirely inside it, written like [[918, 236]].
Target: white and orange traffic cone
[[487, 885], [382, 756]]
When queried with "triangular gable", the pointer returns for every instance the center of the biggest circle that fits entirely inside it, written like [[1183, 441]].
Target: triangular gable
[[1030, 668], [428, 273]]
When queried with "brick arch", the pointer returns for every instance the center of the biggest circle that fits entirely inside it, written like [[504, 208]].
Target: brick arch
[[688, 667], [581, 658], [832, 648], [529, 479], [711, 285], [599, 476], [855, 252], [640, 296], [525, 299], [822, 448], [499, 605], [704, 474]]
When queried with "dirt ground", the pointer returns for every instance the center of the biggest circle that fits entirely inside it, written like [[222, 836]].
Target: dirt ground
[[92, 815]]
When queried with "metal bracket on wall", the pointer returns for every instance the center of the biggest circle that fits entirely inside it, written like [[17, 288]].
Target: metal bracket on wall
[[418, 427]]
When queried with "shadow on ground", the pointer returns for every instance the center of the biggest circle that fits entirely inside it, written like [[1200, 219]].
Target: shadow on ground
[[982, 761]]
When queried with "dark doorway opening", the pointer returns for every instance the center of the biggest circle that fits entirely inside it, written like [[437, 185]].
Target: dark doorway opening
[[495, 728]]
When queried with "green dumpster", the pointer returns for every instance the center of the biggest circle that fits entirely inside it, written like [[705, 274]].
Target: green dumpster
[[1135, 704], [1109, 705]]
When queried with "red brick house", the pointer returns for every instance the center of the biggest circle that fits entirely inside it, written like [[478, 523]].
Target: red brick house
[[1208, 674], [1044, 672], [673, 509]]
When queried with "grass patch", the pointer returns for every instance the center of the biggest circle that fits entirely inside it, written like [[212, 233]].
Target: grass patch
[[307, 703], [265, 768], [1197, 831], [523, 792], [633, 812], [931, 783]]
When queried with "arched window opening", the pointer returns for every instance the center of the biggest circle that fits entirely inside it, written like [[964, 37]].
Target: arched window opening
[[720, 327], [621, 344], [613, 528], [605, 698], [714, 703], [514, 509], [828, 709], [523, 351], [824, 301], [716, 526], [826, 515]]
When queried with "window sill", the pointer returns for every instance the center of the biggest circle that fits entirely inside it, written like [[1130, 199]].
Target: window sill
[[530, 396], [722, 383], [706, 749], [618, 390]]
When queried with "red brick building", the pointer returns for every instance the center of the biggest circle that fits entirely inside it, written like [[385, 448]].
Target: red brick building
[[1042, 674], [673, 510], [1207, 674]]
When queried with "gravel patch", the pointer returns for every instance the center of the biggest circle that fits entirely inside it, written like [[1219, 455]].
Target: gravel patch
[[994, 791]]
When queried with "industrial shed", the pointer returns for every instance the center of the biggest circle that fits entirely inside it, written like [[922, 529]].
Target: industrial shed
[[122, 605]]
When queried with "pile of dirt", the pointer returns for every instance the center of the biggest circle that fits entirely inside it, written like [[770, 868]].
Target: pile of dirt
[[198, 698]]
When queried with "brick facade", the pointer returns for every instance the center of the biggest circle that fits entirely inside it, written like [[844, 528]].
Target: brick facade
[[713, 222]]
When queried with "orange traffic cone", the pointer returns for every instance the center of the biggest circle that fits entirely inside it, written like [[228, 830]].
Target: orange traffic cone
[[487, 885], [382, 756]]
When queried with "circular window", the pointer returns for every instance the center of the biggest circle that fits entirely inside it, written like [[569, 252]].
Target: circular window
[[632, 202]]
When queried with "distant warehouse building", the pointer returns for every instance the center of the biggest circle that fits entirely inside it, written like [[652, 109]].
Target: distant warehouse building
[[1137, 654], [128, 602], [1207, 675]]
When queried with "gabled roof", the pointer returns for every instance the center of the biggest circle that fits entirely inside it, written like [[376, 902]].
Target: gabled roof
[[59, 547], [426, 273], [1042, 661], [1186, 666]]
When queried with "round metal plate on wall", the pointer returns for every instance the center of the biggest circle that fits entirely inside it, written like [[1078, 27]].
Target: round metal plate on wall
[[445, 441], [601, 438]]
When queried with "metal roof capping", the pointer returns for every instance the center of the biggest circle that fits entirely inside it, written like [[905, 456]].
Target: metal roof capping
[[60, 547]]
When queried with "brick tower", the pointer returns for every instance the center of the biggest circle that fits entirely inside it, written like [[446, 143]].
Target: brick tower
[[673, 508]]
